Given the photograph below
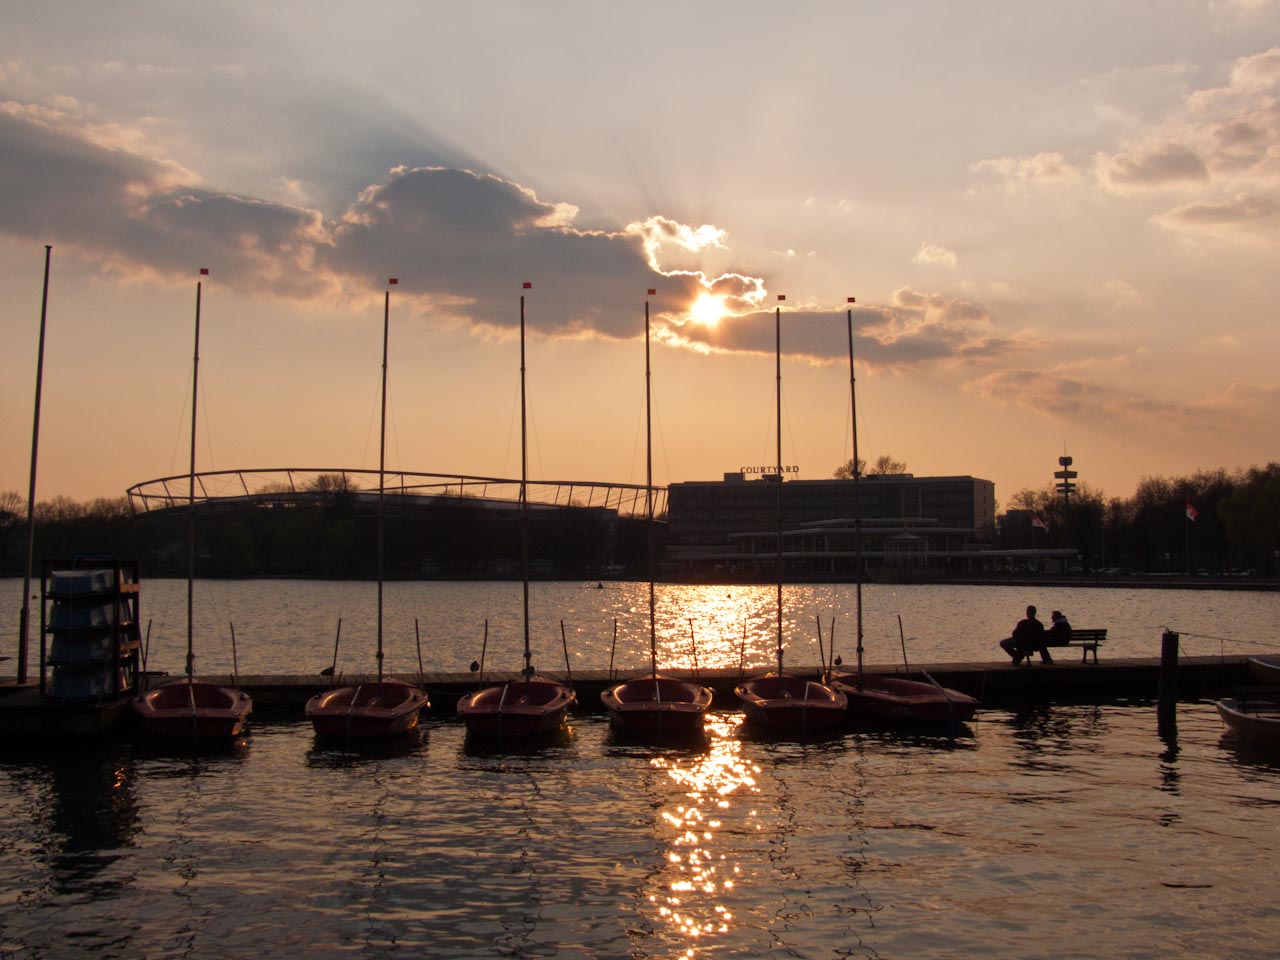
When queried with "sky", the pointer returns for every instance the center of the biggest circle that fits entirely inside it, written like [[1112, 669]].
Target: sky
[[1061, 224]]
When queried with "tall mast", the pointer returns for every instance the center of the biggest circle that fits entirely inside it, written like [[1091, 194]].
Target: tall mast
[[777, 339], [524, 499], [648, 490], [382, 460], [857, 498], [191, 485], [25, 626]]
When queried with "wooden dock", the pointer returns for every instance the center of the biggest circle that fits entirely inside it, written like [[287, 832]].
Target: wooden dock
[[996, 685]]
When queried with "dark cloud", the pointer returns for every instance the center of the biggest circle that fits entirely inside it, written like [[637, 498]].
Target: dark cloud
[[1171, 166], [460, 243]]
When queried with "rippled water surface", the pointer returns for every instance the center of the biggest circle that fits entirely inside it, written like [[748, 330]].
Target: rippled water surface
[[289, 626], [1071, 831]]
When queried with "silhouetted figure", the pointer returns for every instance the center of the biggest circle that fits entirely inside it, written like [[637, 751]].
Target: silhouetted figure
[[1028, 637], [1058, 634]]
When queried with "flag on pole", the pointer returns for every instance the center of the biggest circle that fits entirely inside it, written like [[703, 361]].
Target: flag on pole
[[1037, 521], [1192, 512], [781, 297], [651, 292], [392, 280], [528, 286], [853, 299], [204, 271]]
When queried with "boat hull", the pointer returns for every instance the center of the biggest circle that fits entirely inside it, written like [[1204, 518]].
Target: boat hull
[[367, 710], [912, 701], [1256, 723], [193, 712], [655, 705], [790, 704], [519, 708], [1265, 670]]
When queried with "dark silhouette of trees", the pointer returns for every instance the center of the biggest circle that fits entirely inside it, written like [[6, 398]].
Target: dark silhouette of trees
[[884, 464], [333, 535]]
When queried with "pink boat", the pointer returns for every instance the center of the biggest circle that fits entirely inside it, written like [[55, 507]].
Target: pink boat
[[367, 710], [655, 704], [791, 704], [519, 708], [892, 699], [193, 711]]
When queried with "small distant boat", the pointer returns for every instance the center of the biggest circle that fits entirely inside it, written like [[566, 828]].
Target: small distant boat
[[1265, 670], [776, 701], [192, 711], [1252, 721], [386, 707], [532, 705], [654, 704]]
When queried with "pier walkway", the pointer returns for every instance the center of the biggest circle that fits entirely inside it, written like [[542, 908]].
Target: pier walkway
[[994, 684]]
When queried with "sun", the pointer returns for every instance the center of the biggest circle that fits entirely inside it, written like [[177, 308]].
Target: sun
[[708, 309]]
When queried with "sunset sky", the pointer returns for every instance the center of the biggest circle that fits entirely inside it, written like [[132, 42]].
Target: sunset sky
[[1061, 223]]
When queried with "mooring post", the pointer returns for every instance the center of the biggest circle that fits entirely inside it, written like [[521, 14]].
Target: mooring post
[[1167, 709]]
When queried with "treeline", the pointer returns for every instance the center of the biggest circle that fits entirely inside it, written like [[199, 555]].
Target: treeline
[[1236, 525], [334, 537]]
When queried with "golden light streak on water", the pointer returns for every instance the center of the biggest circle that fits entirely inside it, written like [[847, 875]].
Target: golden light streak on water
[[698, 875]]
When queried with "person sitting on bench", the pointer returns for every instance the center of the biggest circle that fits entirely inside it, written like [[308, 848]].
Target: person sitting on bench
[[1028, 637], [1059, 632]]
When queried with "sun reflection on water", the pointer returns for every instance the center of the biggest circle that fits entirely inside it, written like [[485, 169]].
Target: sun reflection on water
[[699, 877]]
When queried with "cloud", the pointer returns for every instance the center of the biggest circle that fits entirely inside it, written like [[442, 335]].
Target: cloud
[[916, 328], [931, 254], [1170, 166], [457, 239], [1242, 217], [1239, 410], [1019, 174], [1219, 138]]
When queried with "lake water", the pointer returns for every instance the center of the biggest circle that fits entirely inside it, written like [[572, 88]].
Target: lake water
[[1069, 830], [289, 626]]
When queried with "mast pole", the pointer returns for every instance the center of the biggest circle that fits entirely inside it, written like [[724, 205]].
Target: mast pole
[[857, 498], [191, 486], [524, 498], [777, 339], [382, 460], [648, 491], [24, 628]]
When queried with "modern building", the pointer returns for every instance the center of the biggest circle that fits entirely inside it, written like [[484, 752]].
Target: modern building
[[730, 527]]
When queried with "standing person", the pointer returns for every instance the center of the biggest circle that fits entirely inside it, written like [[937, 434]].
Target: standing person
[[1028, 637]]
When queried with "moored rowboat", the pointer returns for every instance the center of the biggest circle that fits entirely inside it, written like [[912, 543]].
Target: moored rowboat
[[519, 708], [792, 704], [657, 704], [366, 710], [890, 698], [1256, 722], [195, 711]]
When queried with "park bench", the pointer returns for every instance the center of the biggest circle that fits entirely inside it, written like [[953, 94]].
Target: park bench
[[1088, 641]]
